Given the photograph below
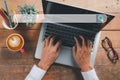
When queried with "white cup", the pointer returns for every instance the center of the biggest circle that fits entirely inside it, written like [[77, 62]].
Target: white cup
[[10, 27]]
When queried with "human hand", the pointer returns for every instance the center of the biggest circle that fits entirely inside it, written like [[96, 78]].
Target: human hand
[[82, 54], [49, 53]]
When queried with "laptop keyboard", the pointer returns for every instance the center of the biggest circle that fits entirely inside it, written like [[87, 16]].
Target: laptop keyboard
[[67, 33]]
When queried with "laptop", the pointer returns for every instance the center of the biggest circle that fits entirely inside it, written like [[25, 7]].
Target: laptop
[[66, 31]]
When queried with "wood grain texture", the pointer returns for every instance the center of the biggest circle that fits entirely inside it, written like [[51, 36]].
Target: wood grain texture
[[16, 58], [58, 72], [14, 72], [108, 72], [102, 59], [113, 36], [54, 73], [104, 68], [17, 3], [114, 24]]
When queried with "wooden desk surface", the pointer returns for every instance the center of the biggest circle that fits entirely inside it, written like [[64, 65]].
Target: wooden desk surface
[[14, 66]]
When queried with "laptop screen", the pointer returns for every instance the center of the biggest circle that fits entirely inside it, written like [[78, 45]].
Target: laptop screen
[[56, 8]]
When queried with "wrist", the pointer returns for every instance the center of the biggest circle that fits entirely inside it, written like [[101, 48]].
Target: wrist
[[86, 68], [43, 66]]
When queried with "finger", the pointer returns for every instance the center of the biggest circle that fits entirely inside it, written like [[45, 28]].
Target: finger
[[44, 44], [83, 40], [57, 45], [47, 40], [77, 42], [90, 46], [88, 43], [58, 51], [52, 40], [74, 51]]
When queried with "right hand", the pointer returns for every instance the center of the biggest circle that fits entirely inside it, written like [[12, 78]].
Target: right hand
[[82, 54]]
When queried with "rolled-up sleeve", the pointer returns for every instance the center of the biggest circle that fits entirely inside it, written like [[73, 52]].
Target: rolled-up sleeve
[[35, 73], [90, 75]]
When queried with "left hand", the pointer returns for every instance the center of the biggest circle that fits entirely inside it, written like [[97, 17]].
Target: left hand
[[49, 53]]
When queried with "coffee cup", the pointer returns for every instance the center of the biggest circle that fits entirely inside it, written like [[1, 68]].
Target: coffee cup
[[15, 42]]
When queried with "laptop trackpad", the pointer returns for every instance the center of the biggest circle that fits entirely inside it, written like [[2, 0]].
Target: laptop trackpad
[[66, 57]]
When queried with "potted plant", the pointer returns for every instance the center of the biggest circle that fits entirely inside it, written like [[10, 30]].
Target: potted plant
[[29, 10]]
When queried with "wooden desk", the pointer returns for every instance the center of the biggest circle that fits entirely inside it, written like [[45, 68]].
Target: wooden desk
[[14, 66]]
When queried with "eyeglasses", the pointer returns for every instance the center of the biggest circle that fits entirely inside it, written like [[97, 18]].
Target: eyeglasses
[[111, 53]]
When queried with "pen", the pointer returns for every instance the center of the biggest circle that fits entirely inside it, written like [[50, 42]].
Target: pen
[[9, 16]]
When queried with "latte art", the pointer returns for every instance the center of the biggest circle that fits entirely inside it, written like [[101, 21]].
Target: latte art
[[15, 42]]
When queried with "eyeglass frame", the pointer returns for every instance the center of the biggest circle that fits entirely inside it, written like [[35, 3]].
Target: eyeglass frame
[[109, 49]]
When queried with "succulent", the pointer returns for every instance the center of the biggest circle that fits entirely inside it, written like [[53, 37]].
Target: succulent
[[28, 9]]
